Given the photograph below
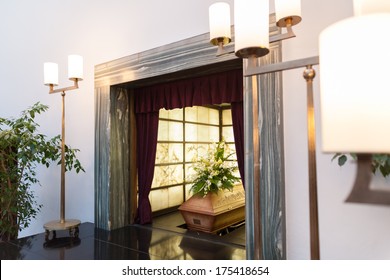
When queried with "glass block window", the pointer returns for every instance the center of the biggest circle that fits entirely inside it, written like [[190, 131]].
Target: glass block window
[[184, 135]]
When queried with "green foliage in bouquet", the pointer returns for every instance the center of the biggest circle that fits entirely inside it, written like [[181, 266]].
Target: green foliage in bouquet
[[214, 172]]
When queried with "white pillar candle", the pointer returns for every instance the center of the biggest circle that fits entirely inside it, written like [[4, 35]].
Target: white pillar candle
[[364, 7], [251, 22], [50, 73], [219, 20], [355, 90], [75, 67]]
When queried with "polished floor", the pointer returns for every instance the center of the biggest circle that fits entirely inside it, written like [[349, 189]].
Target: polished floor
[[163, 240]]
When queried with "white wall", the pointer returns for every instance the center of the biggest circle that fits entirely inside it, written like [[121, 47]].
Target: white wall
[[33, 32]]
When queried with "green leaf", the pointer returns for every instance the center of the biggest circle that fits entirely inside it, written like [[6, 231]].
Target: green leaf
[[342, 160]]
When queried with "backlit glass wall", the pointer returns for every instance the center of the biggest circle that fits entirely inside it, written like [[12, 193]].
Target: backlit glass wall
[[184, 135]]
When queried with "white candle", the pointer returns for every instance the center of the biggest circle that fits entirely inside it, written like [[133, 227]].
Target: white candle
[[75, 67], [50, 73], [219, 14], [355, 99], [251, 21], [364, 7]]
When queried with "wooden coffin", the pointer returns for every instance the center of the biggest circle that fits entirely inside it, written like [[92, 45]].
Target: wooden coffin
[[214, 212]]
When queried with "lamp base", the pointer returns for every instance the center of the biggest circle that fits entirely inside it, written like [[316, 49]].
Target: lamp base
[[71, 225]]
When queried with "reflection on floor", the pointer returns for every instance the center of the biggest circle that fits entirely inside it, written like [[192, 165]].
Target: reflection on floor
[[163, 240]]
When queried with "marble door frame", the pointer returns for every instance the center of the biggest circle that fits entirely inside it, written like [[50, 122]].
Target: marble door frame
[[115, 146]]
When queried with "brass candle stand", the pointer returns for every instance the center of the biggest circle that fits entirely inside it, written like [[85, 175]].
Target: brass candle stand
[[63, 224]]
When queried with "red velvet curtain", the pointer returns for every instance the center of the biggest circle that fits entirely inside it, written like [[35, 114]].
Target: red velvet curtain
[[238, 131], [147, 128], [218, 88]]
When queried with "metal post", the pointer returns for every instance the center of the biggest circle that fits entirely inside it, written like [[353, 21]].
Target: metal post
[[62, 207], [309, 75], [252, 169]]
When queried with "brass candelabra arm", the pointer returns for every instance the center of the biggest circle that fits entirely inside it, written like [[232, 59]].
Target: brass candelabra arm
[[75, 86]]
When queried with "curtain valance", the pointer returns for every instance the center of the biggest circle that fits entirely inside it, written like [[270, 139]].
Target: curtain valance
[[212, 89]]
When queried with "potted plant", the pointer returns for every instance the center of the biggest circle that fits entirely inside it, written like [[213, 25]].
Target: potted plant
[[217, 201], [22, 148]]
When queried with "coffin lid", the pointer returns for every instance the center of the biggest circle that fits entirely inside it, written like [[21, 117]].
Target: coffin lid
[[215, 204]]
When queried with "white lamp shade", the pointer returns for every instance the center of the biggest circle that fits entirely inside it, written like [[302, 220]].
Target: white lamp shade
[[219, 20], [75, 67], [50, 73], [251, 22], [355, 87], [287, 8], [364, 7]]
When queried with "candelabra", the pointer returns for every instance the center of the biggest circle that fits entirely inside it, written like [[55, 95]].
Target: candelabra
[[75, 74], [251, 42], [355, 92]]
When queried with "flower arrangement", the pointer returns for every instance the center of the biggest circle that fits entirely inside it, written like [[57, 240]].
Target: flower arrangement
[[214, 172]]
